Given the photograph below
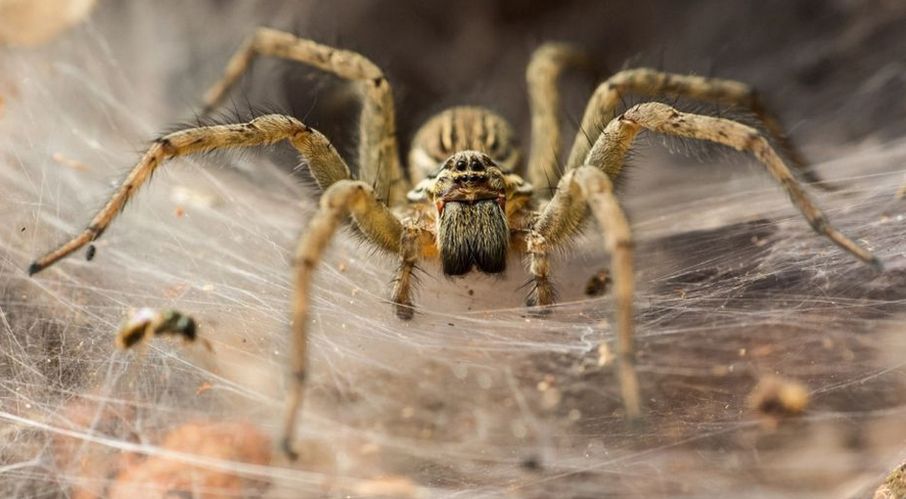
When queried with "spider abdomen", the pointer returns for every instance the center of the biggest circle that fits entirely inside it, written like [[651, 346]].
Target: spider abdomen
[[459, 129]]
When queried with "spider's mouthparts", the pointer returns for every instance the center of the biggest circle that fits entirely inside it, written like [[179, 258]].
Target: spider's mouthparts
[[473, 235], [440, 204]]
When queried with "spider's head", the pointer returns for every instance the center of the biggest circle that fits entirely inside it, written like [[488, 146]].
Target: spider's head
[[469, 193]]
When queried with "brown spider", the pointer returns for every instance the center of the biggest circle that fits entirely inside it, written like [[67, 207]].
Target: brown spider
[[464, 200]]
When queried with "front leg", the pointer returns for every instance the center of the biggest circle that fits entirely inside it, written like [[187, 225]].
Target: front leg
[[580, 189], [543, 292], [560, 218], [404, 279], [372, 217], [597, 189]]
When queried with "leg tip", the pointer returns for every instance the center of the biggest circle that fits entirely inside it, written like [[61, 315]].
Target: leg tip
[[635, 421], [286, 446], [404, 311], [876, 264], [534, 307], [34, 268]]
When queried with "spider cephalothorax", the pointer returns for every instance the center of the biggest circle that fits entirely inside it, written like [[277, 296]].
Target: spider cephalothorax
[[470, 205]]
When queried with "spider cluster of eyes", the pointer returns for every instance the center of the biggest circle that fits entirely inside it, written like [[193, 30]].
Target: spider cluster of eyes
[[477, 166]]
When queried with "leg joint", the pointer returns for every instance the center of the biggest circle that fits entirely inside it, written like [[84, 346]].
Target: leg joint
[[819, 224], [166, 145], [307, 262], [94, 231], [753, 140], [624, 243], [536, 244]]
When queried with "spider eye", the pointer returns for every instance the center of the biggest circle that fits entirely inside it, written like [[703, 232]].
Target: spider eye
[[461, 166], [477, 166]]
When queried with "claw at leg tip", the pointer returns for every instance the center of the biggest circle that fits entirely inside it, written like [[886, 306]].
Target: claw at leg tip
[[635, 421], [405, 312], [876, 264], [287, 447], [34, 268]]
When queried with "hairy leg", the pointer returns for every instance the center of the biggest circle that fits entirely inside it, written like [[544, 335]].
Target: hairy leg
[[558, 219], [404, 279], [326, 165], [544, 68], [651, 83], [590, 184], [582, 188], [542, 292], [379, 163], [610, 149], [341, 199]]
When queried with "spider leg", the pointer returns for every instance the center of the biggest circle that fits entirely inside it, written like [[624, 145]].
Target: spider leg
[[559, 218], [579, 189], [615, 140], [652, 83], [378, 148], [564, 214], [341, 199], [403, 281], [543, 292], [590, 185], [543, 70], [326, 165]]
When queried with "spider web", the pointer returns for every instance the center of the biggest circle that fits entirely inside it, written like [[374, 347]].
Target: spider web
[[471, 398]]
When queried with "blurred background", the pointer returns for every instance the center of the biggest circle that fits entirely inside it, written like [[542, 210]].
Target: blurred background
[[473, 398]]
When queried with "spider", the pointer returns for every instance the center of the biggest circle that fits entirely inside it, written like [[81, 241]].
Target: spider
[[465, 201]]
